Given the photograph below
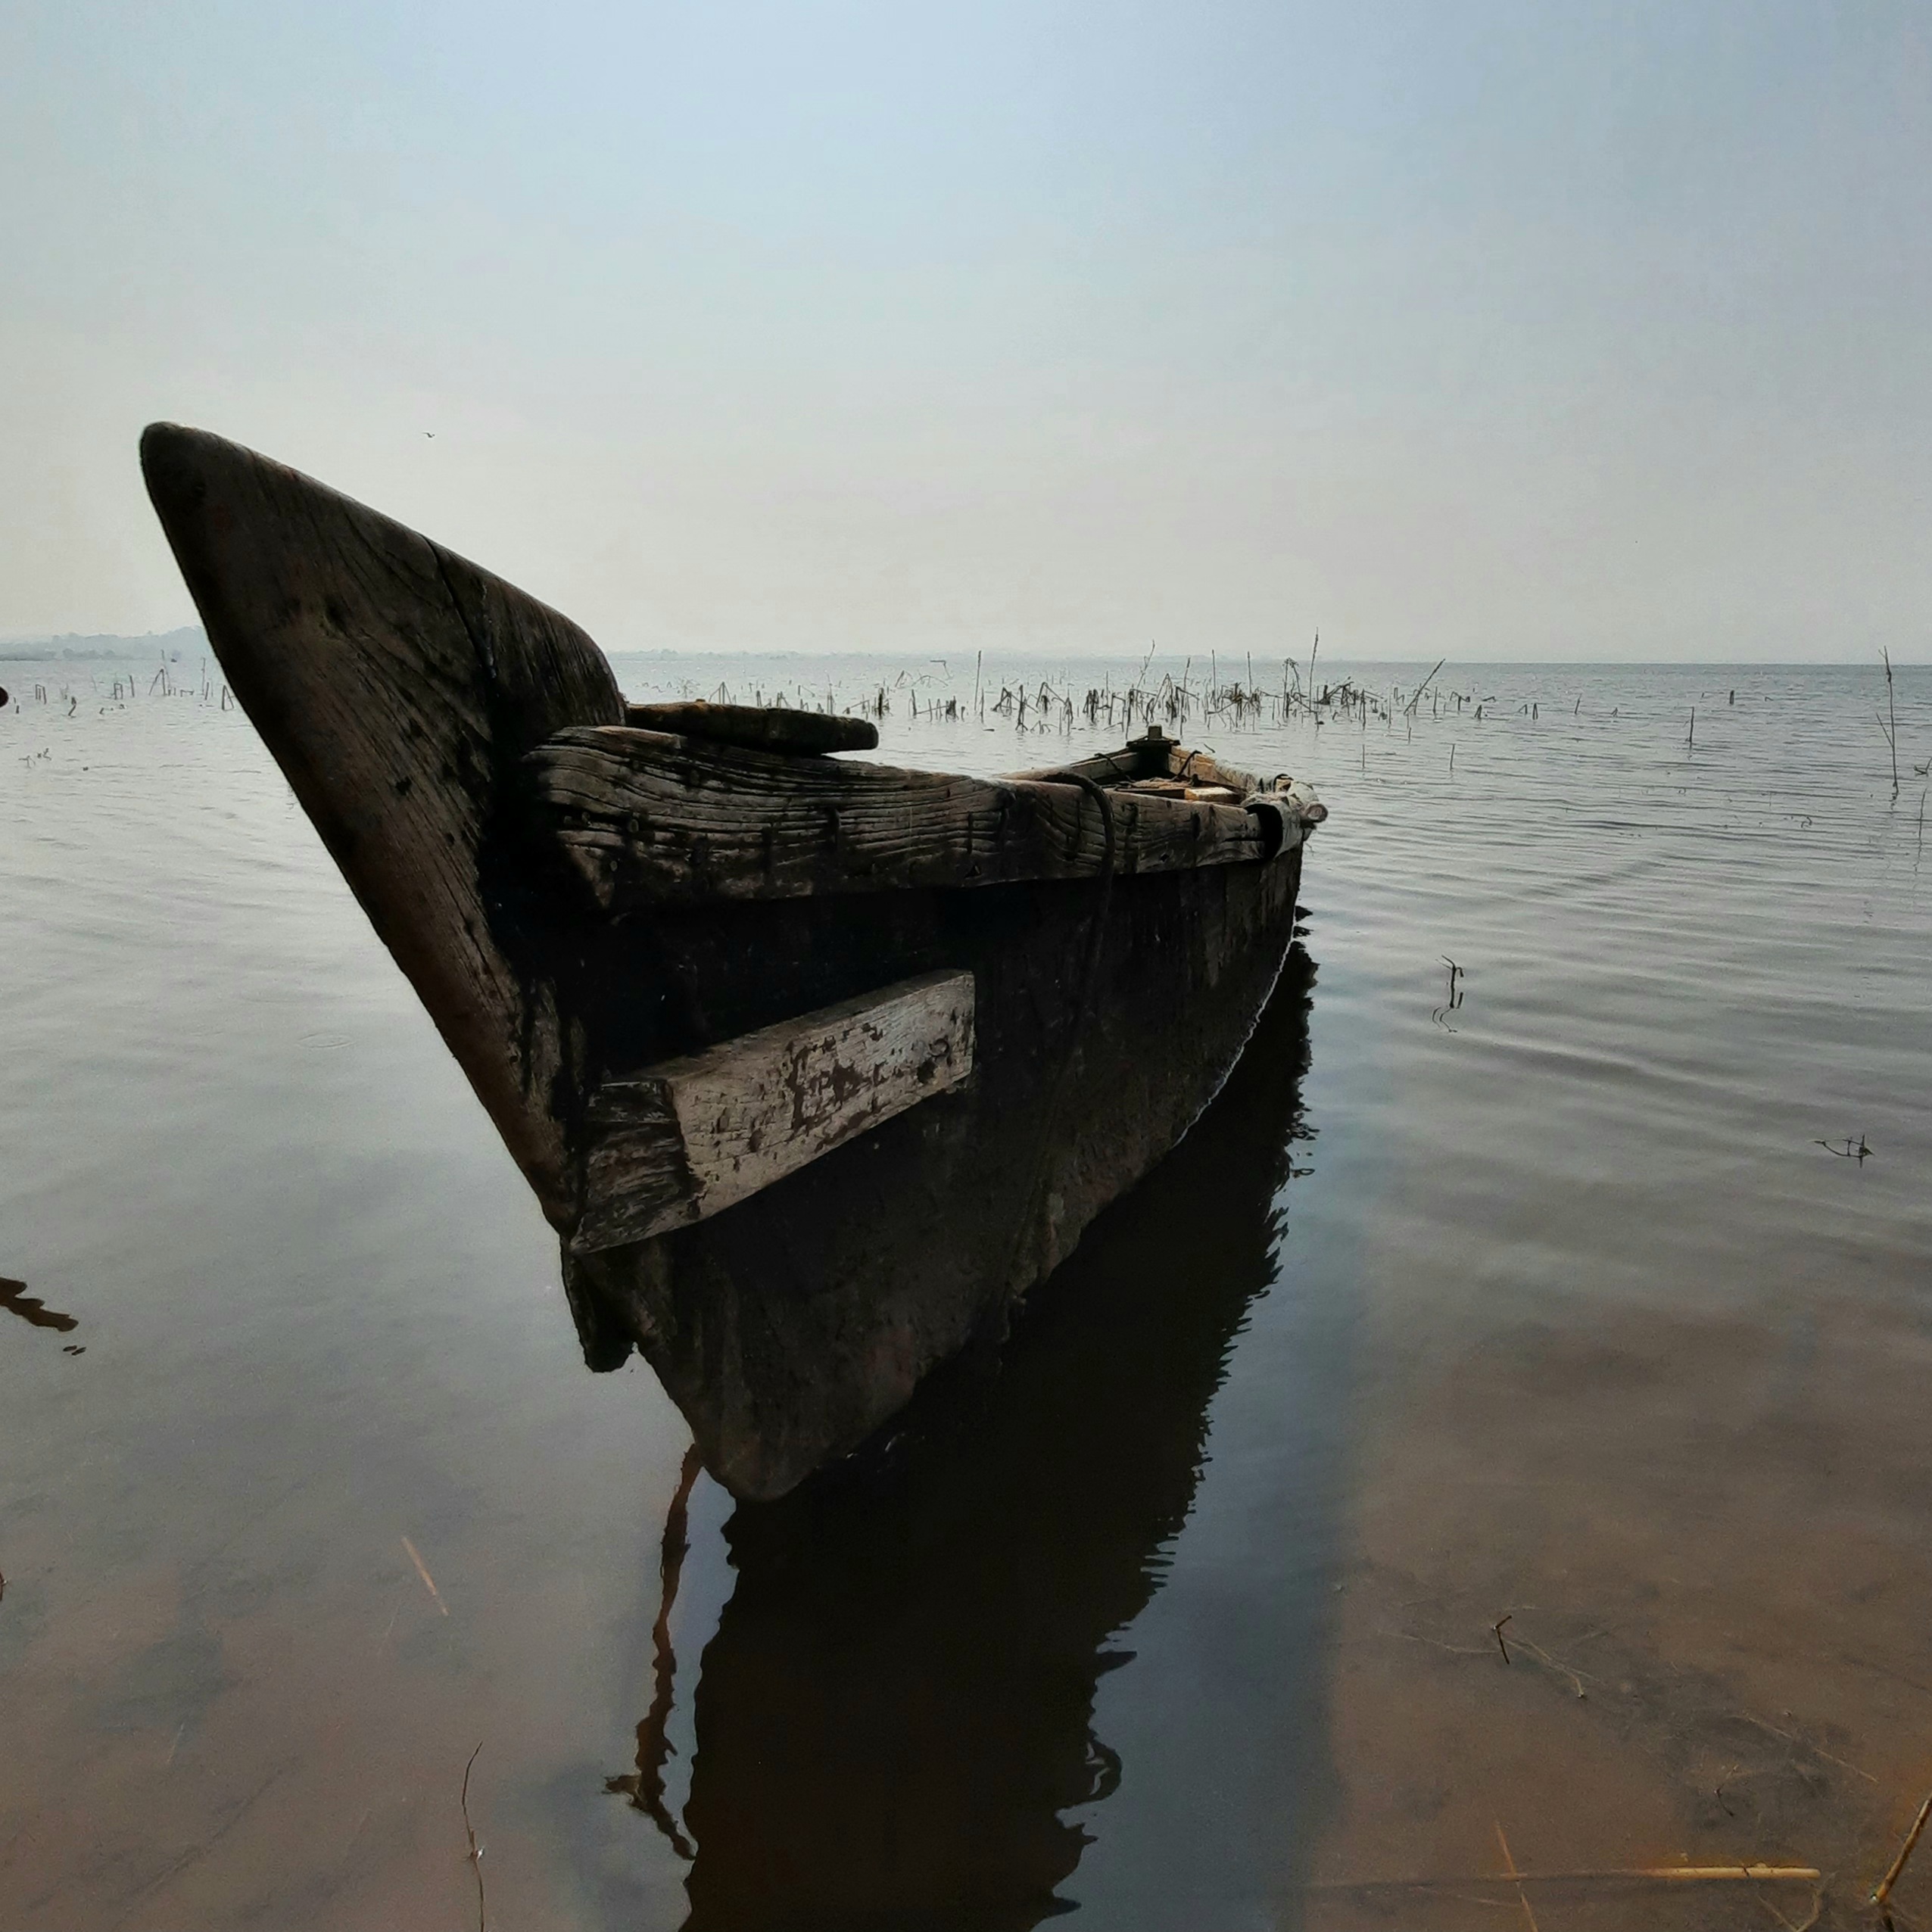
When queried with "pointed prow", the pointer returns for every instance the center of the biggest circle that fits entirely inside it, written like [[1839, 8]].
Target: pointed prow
[[396, 685]]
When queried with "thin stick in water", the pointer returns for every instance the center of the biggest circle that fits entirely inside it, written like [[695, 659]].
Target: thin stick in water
[[1892, 729], [429, 1582], [1509, 1866], [1696, 1874], [475, 1849], [1883, 1890], [1424, 686]]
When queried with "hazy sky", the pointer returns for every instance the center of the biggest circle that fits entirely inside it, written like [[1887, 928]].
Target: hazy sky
[[1529, 331]]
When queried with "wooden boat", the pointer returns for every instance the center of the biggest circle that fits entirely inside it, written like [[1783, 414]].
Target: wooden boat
[[816, 1066]]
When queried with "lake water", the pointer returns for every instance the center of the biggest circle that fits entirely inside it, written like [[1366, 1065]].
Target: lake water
[[1531, 1294]]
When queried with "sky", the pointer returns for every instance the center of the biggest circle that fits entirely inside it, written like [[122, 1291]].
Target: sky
[[1490, 331]]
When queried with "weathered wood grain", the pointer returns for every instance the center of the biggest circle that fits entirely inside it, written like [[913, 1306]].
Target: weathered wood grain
[[1139, 758], [1155, 755], [1301, 800], [644, 819], [686, 1139], [766, 727], [1176, 762], [1184, 788], [1156, 761], [396, 685]]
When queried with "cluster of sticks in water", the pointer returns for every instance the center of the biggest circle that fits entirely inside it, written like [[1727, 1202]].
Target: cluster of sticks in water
[[1170, 700], [164, 684]]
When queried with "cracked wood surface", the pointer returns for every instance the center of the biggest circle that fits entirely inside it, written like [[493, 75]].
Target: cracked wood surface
[[688, 1139], [1143, 758], [643, 819]]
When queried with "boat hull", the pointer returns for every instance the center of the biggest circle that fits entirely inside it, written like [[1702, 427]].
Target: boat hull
[[790, 1327]]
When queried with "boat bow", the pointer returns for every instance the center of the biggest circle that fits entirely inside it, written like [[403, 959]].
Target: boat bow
[[397, 684]]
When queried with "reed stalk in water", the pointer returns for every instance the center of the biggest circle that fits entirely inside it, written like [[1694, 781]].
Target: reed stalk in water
[[475, 1849], [1891, 729]]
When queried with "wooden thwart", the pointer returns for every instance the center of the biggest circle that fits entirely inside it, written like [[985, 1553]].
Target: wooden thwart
[[686, 1139], [644, 818]]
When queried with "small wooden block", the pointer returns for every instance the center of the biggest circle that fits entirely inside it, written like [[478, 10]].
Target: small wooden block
[[684, 1140], [769, 727]]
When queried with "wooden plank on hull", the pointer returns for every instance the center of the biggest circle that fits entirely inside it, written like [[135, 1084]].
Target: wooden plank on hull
[[686, 1139], [644, 818]]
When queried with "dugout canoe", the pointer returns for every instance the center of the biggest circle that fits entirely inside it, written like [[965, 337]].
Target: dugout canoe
[[816, 1066]]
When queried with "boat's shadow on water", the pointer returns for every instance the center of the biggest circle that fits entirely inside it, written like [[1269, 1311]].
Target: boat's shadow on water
[[895, 1714]]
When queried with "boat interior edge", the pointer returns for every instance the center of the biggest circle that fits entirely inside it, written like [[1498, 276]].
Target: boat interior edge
[[644, 818]]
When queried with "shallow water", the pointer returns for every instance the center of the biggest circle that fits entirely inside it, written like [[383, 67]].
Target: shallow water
[[1528, 1293]]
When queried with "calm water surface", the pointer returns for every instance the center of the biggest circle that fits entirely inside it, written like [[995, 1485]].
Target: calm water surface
[[1524, 1292]]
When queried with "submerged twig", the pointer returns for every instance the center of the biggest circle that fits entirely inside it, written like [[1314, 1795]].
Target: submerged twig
[[1563, 1669], [1635, 1875], [1509, 1865], [1805, 1743], [1816, 1912], [1436, 1643], [422, 1571], [475, 1849], [1883, 1890], [1860, 1152]]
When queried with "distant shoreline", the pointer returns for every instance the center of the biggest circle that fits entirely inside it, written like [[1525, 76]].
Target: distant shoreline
[[72, 647]]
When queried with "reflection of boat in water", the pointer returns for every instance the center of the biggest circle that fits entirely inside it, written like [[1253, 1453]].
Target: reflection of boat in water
[[895, 1710], [816, 1067]]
